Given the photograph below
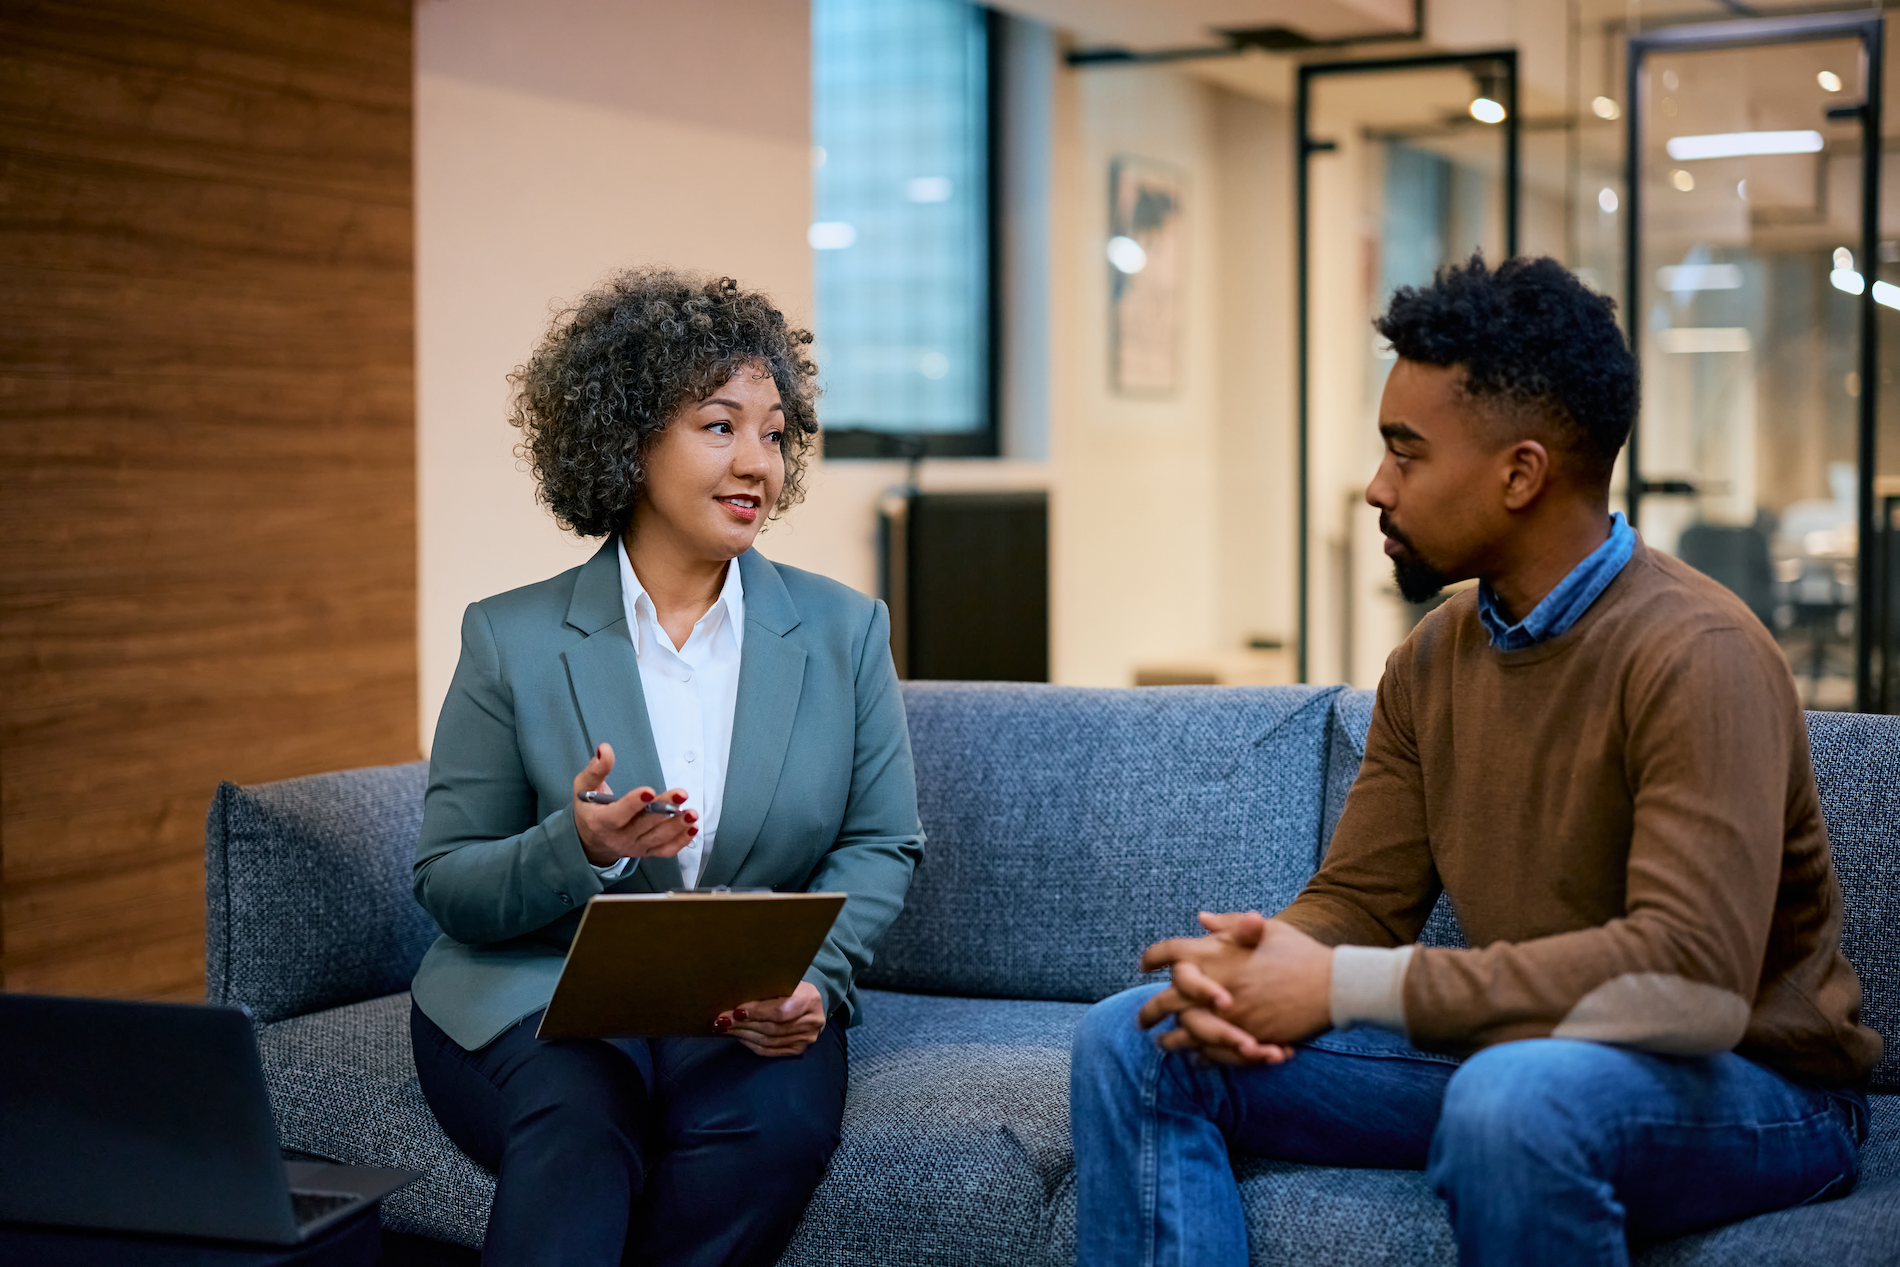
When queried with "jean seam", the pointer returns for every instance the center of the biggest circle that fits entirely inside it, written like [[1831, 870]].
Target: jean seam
[[1150, 1155], [1387, 1055]]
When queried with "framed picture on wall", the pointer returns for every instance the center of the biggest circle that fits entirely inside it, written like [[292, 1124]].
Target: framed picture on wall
[[1147, 273]]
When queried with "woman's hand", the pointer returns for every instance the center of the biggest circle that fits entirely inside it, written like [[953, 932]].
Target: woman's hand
[[624, 829], [777, 1027]]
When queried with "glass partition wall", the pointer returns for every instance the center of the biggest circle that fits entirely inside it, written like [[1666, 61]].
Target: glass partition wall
[[1405, 165], [1754, 269]]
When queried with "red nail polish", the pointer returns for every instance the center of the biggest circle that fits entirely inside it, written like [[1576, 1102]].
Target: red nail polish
[[646, 796], [740, 1013], [722, 1024]]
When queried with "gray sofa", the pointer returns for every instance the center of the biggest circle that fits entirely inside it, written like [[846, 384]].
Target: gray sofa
[[1067, 828]]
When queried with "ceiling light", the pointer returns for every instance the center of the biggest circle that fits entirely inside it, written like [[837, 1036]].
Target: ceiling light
[[1742, 144], [1485, 110], [1606, 200], [1606, 108], [1844, 258], [1848, 280], [1682, 180], [1126, 255], [1829, 81]]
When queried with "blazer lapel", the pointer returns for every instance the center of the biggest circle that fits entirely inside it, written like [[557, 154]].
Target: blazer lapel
[[604, 674], [771, 677]]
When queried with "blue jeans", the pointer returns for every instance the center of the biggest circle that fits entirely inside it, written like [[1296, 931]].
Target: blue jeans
[[1546, 1150]]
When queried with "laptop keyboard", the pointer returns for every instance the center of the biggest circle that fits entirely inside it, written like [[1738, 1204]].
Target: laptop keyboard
[[308, 1207]]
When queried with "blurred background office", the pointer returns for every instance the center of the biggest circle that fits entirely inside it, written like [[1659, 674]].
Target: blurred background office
[[1092, 283]]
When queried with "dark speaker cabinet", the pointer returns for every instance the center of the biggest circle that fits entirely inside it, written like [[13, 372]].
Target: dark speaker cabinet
[[967, 579]]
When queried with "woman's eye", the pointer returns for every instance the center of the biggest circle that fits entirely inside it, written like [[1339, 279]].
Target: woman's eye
[[775, 437], [723, 427]]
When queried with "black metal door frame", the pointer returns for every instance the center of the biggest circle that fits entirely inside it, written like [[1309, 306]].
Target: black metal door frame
[[1749, 33], [1305, 146]]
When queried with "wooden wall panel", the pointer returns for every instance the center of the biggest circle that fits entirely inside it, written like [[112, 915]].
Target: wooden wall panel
[[207, 449]]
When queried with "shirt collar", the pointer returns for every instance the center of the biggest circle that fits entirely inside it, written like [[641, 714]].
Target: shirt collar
[[1565, 605], [727, 611]]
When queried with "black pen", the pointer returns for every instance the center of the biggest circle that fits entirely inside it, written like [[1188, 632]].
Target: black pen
[[608, 798]]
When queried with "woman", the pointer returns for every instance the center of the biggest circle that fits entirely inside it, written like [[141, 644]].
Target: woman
[[672, 416]]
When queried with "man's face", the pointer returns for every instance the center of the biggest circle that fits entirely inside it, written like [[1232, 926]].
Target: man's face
[[1439, 488]]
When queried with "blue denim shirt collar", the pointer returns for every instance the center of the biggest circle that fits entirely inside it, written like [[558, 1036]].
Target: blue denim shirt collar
[[1565, 605]]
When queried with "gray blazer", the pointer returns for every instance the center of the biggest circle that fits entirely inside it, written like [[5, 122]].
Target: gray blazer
[[820, 793]]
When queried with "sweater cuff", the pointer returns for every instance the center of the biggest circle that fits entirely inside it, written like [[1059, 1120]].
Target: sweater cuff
[[1369, 986]]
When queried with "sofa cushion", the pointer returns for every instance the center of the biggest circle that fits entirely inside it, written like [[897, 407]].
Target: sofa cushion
[[956, 1128], [307, 890], [343, 1086], [956, 1136], [1857, 768], [1067, 829], [956, 1150]]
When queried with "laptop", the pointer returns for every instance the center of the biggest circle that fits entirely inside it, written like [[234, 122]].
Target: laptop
[[152, 1117]]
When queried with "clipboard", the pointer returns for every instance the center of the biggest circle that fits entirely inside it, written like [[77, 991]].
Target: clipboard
[[646, 965]]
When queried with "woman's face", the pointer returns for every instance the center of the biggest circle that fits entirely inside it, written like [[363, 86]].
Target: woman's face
[[716, 471]]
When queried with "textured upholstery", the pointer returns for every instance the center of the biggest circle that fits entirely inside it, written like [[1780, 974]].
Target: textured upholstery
[[307, 890], [1857, 768], [1067, 829], [956, 1145], [343, 1085], [956, 1135]]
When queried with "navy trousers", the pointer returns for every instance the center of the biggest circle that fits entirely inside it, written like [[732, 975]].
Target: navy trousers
[[666, 1151]]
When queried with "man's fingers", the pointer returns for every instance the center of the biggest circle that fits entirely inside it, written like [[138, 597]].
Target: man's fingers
[[1160, 1007], [1243, 928], [1201, 988], [1164, 953], [1249, 929], [1210, 1030]]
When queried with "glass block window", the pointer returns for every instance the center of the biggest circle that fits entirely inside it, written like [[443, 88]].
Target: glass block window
[[900, 231]]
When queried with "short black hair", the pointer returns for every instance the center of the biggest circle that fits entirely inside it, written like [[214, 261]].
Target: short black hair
[[1528, 333], [615, 366]]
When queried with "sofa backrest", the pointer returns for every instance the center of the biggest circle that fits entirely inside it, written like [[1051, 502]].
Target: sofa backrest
[[1857, 770], [1069, 828], [307, 894]]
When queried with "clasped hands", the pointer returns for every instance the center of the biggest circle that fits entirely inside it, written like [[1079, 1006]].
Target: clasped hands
[[1244, 994]]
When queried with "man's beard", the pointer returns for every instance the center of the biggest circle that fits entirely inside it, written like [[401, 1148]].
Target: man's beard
[[1418, 581]]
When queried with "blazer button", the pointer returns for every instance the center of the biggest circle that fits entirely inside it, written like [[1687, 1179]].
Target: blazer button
[[566, 900]]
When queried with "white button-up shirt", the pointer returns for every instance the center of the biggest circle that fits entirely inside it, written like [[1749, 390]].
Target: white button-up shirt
[[691, 692]]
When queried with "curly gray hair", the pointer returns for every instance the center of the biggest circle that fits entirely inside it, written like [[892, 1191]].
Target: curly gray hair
[[615, 366]]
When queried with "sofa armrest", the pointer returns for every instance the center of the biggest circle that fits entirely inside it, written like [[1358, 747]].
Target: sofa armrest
[[307, 893]]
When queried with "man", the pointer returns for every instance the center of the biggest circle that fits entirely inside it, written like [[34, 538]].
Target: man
[[1599, 756]]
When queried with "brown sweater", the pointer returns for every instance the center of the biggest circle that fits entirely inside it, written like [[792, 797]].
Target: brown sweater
[[1625, 820]]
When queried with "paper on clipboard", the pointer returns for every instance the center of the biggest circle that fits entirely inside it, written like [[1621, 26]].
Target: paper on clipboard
[[649, 965]]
